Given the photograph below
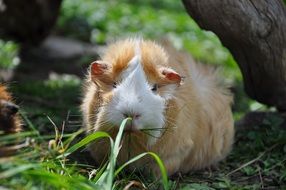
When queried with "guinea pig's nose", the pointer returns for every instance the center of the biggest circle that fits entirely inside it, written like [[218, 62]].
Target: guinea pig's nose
[[131, 114], [11, 108]]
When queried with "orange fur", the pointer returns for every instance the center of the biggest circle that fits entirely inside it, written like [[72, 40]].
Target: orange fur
[[199, 124]]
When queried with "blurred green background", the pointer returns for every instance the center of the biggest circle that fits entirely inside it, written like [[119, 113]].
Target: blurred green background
[[99, 22], [105, 21]]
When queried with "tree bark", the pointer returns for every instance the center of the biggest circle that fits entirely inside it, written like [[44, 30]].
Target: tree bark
[[28, 22], [255, 33]]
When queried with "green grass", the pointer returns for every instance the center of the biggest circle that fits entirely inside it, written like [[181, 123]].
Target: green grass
[[54, 161], [45, 163]]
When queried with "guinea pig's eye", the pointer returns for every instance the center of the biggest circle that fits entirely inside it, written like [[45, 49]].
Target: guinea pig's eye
[[114, 85], [154, 88]]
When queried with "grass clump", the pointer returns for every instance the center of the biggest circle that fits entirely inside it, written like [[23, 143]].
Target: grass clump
[[44, 163], [49, 162]]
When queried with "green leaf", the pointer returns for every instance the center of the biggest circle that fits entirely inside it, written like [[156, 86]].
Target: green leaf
[[157, 159], [85, 141], [129, 162], [72, 137], [19, 135], [107, 177], [100, 172], [162, 169]]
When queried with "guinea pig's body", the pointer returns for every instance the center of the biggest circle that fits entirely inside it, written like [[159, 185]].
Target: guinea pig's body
[[179, 109]]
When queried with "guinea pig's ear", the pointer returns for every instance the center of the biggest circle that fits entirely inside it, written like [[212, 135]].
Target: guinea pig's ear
[[98, 68], [99, 71], [171, 76]]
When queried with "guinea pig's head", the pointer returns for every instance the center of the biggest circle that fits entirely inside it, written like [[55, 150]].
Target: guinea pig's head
[[134, 81]]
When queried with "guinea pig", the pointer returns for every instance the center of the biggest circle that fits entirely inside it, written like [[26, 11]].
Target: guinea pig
[[179, 108], [9, 120]]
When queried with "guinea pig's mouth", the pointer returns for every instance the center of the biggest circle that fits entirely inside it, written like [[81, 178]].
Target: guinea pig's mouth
[[130, 127]]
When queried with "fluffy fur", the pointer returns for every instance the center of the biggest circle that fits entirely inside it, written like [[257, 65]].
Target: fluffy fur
[[193, 117]]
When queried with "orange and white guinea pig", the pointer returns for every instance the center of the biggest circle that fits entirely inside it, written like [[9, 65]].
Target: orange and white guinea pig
[[179, 109]]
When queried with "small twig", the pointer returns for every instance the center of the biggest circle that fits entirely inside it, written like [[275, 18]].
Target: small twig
[[61, 136], [10, 150], [55, 127], [252, 161], [150, 135], [134, 183], [261, 179]]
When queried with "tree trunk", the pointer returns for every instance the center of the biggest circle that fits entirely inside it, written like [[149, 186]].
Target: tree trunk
[[255, 33], [28, 21]]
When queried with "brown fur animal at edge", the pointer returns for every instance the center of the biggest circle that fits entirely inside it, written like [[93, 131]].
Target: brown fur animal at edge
[[9, 120], [198, 123]]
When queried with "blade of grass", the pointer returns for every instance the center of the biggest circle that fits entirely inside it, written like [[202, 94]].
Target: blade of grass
[[19, 135], [45, 137], [129, 162], [16, 170], [115, 152], [162, 169], [30, 124], [100, 172], [157, 159], [119, 137], [85, 141], [72, 137], [106, 179]]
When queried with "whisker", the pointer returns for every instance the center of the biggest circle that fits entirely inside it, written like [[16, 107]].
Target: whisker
[[171, 126], [73, 122], [150, 129], [170, 121], [150, 135], [100, 124]]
